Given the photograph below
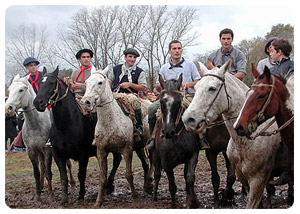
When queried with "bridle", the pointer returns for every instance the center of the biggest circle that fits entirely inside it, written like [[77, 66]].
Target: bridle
[[54, 98], [227, 95], [100, 94], [259, 117]]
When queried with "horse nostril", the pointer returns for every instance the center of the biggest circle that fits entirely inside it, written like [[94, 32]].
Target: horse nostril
[[240, 130], [191, 120], [87, 102], [10, 108]]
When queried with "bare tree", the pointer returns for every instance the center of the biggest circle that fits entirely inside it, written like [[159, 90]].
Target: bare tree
[[26, 41]]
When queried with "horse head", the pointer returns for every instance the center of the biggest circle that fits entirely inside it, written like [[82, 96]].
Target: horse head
[[48, 89], [262, 102], [20, 95], [210, 100], [96, 88], [170, 102]]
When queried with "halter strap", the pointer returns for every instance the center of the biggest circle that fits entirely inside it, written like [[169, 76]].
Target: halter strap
[[55, 92], [223, 84], [260, 115]]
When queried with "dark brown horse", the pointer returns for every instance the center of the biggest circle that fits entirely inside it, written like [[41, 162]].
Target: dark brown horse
[[174, 145], [268, 97]]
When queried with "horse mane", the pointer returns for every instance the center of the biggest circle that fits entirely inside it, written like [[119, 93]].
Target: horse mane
[[290, 87]]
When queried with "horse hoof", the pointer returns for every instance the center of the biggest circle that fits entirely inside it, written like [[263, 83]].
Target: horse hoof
[[109, 189], [148, 189], [97, 205]]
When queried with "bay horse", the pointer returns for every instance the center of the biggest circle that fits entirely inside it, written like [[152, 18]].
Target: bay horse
[[71, 134], [220, 93], [269, 96], [114, 131], [35, 131]]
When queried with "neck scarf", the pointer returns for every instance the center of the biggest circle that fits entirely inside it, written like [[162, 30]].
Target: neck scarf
[[226, 53], [82, 73], [177, 65], [33, 82], [127, 71]]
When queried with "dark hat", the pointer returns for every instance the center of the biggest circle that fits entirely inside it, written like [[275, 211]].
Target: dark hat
[[131, 51], [268, 43], [29, 60], [78, 55]]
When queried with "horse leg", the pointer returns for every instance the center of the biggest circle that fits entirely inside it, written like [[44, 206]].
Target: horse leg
[[127, 153], [83, 162], [72, 179], [255, 194], [110, 181], [215, 178], [291, 193], [42, 169], [61, 164], [228, 193], [36, 172], [49, 172], [102, 161], [189, 175], [147, 178], [172, 186], [157, 176]]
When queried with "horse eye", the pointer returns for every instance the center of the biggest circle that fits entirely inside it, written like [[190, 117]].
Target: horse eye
[[212, 88], [21, 90], [99, 83], [261, 96]]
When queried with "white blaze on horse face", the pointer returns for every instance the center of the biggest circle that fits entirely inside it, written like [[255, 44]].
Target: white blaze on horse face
[[44, 79], [242, 109], [169, 103]]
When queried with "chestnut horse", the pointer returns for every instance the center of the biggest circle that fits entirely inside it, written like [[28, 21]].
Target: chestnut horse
[[269, 97]]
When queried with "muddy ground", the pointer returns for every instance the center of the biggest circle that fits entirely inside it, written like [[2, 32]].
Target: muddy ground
[[20, 189]]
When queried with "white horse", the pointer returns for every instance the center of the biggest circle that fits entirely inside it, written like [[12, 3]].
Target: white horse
[[35, 131], [114, 130], [219, 92]]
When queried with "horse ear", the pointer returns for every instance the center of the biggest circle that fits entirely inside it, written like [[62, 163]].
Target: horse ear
[[161, 81], [55, 72], [203, 68], [267, 72], [16, 77], [179, 81], [226, 67], [44, 70], [254, 71], [105, 71]]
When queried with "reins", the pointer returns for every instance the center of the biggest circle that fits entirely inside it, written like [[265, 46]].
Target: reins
[[260, 117]]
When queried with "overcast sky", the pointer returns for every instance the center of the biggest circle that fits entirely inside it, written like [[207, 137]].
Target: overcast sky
[[246, 21]]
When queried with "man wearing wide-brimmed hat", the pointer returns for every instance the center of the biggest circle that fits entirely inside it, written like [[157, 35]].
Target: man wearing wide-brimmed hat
[[78, 77]]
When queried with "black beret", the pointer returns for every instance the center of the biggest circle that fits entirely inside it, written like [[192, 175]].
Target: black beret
[[78, 55], [268, 43], [29, 60], [131, 51]]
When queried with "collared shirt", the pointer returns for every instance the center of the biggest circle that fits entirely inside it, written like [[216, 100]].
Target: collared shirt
[[188, 69], [238, 60], [87, 74], [262, 63]]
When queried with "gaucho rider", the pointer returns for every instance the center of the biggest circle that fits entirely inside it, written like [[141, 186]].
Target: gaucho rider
[[130, 79]]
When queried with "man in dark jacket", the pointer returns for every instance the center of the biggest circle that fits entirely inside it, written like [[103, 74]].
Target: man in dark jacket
[[129, 78]]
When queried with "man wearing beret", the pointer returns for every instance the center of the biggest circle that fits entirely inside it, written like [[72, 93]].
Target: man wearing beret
[[79, 76], [35, 76], [129, 78]]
